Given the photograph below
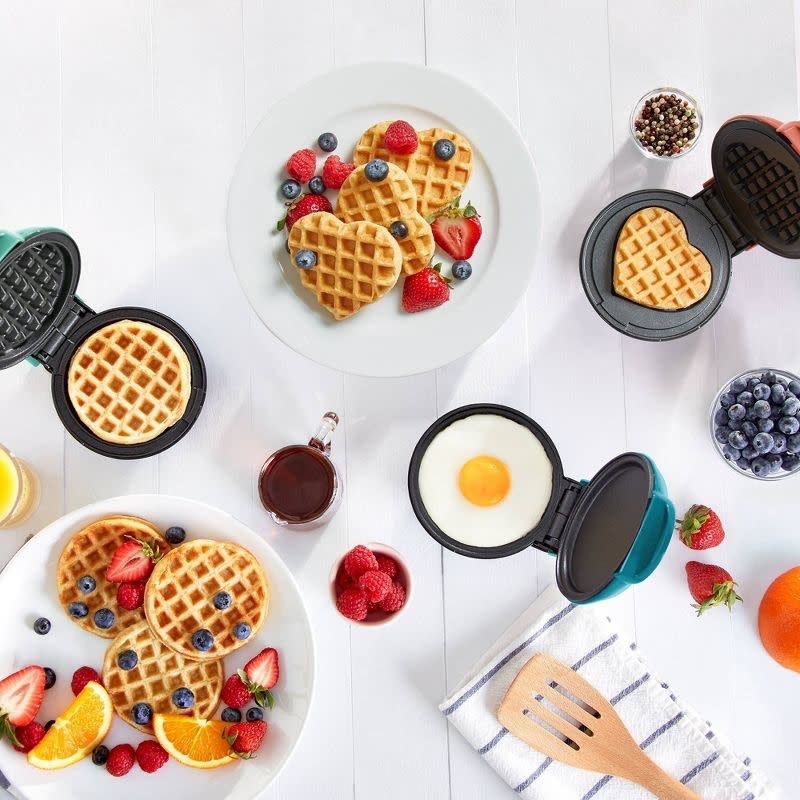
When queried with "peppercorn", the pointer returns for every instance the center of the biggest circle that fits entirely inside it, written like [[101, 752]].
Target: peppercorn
[[666, 125]]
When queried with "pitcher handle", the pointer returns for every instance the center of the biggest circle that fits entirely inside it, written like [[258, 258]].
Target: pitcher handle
[[321, 439]]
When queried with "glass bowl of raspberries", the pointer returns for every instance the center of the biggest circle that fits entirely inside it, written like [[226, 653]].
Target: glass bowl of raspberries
[[370, 584], [755, 423]]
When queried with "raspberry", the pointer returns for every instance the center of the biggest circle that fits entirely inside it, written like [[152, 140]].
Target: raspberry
[[120, 760], [343, 580], [234, 693], [334, 172], [302, 165], [360, 560], [375, 585], [28, 736], [400, 138], [386, 564], [307, 204], [395, 599], [352, 604], [130, 595], [81, 677], [151, 755]]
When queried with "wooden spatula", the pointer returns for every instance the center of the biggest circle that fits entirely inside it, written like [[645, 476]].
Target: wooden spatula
[[593, 738]]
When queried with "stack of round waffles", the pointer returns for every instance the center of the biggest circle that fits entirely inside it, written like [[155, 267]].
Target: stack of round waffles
[[158, 639]]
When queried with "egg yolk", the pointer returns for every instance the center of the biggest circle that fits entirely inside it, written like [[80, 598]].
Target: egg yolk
[[484, 480]]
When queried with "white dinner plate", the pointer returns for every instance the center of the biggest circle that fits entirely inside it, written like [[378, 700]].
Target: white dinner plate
[[28, 590], [381, 340]]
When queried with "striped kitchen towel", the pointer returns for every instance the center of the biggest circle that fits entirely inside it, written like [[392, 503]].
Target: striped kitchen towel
[[672, 734]]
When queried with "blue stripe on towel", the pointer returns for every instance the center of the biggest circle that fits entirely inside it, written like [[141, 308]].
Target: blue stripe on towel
[[700, 767]]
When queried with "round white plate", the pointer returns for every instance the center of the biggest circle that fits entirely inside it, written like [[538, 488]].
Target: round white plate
[[381, 340], [28, 590]]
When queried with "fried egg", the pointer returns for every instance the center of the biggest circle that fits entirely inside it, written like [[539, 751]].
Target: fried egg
[[485, 480]]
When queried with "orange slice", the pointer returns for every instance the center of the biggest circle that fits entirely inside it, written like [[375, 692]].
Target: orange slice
[[192, 741], [77, 731]]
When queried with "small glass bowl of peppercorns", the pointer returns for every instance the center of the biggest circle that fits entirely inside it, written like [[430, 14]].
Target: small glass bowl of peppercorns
[[666, 123]]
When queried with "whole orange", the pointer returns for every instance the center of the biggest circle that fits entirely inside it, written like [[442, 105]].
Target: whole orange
[[779, 619]]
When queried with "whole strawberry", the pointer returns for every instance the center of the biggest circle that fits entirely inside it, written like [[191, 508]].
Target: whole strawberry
[[246, 737], [401, 138], [700, 528], [457, 230], [151, 755], [710, 586], [335, 171], [305, 204], [426, 289], [302, 165]]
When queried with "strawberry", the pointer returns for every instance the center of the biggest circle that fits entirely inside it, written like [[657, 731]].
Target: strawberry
[[305, 204], [302, 165], [245, 737], [456, 230], [700, 528], [28, 736], [151, 756], [133, 561], [710, 586], [335, 171], [235, 692], [130, 595], [400, 138], [260, 674], [20, 697], [426, 289]]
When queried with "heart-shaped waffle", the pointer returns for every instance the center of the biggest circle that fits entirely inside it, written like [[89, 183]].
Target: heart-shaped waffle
[[436, 181], [656, 266], [357, 262], [392, 199]]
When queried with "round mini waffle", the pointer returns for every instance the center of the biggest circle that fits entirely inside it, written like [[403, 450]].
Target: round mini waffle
[[129, 382], [159, 671], [179, 599], [89, 552]]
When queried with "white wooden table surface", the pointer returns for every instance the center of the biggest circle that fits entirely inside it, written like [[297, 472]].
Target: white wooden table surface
[[122, 122]]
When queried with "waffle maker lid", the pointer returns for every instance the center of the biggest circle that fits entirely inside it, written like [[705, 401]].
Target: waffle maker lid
[[39, 271]]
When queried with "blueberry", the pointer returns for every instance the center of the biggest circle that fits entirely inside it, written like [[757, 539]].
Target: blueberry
[[794, 388], [790, 407], [100, 755], [738, 440], [779, 443], [49, 678], [776, 413], [739, 385], [737, 412], [376, 170], [463, 269], [290, 189], [765, 425], [87, 584], [127, 659], [241, 630], [175, 534], [444, 149], [203, 640], [77, 610], [142, 713], [749, 452], [49, 724], [751, 415], [42, 626], [254, 714], [775, 462], [763, 442], [104, 618], [735, 424], [731, 453], [721, 434], [316, 185], [753, 382], [743, 463], [778, 394], [222, 600], [760, 466], [762, 409], [327, 142], [761, 391], [783, 380], [749, 429], [727, 400], [746, 399], [791, 462], [398, 229], [183, 698], [231, 715], [789, 425], [794, 442], [305, 259]]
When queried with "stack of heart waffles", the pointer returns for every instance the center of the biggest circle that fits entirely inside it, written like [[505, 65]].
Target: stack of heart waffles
[[399, 182], [172, 608]]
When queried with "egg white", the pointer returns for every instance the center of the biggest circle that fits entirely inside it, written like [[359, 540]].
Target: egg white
[[528, 465]]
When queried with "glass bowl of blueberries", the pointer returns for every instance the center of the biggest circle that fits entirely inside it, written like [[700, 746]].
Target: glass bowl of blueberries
[[755, 423]]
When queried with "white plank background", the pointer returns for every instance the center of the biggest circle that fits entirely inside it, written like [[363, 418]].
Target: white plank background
[[122, 121]]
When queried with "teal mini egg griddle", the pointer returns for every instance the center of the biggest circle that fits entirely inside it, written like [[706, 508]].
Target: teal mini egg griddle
[[606, 533]]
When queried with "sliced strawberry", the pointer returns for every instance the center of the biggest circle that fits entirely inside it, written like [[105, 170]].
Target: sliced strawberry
[[426, 289], [260, 674], [133, 561], [457, 230], [20, 698]]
